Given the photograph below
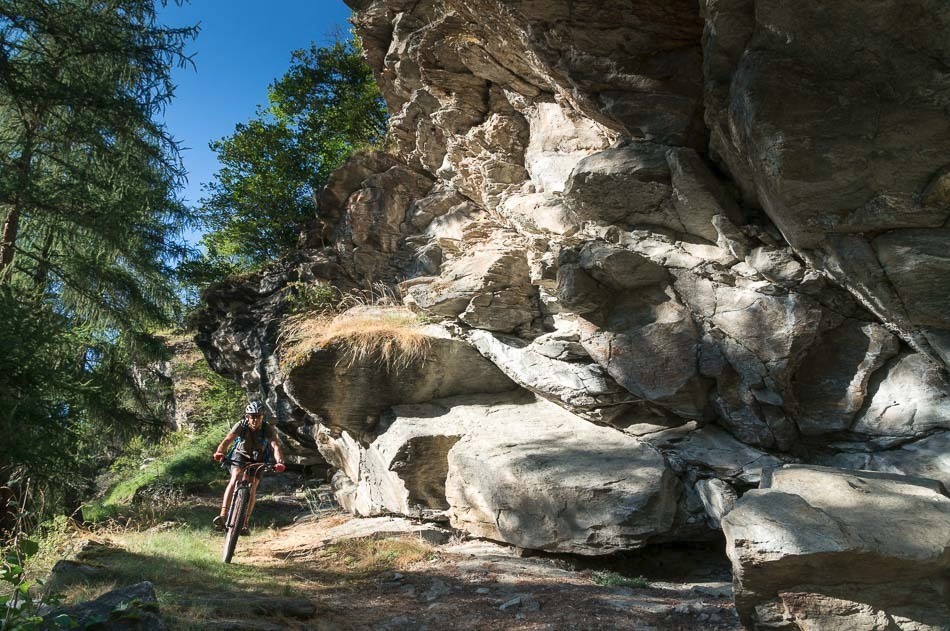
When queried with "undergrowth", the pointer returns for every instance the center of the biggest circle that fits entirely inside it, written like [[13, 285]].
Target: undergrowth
[[149, 471], [613, 579]]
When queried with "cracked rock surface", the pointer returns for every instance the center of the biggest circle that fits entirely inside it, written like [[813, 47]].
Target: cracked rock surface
[[886, 536]]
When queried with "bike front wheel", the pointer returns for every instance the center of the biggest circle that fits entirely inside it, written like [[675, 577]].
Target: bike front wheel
[[236, 518]]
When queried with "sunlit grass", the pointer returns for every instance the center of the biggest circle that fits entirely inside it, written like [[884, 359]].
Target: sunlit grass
[[370, 555], [175, 465], [389, 336], [185, 567]]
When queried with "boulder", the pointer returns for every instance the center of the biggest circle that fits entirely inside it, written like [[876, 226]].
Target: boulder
[[887, 538], [488, 288], [519, 470], [126, 609], [542, 478]]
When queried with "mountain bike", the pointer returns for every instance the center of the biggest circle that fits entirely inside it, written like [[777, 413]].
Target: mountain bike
[[240, 503]]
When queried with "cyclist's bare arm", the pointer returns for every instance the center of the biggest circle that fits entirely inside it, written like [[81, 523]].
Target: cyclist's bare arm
[[276, 444], [223, 447]]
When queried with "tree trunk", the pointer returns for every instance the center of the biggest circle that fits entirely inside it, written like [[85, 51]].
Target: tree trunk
[[11, 226], [41, 273]]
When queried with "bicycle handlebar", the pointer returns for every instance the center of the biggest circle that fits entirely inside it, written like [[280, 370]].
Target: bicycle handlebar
[[247, 465]]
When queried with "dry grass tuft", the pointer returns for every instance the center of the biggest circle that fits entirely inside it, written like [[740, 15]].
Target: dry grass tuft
[[374, 555], [389, 336]]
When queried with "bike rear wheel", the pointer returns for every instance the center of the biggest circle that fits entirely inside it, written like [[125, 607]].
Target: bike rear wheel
[[236, 518]]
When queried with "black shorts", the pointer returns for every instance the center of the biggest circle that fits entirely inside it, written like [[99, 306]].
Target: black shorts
[[243, 462]]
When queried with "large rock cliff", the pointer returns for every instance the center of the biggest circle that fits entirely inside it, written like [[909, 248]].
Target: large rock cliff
[[660, 246]]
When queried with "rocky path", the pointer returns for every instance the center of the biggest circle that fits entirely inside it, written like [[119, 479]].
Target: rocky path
[[331, 571], [481, 585], [472, 584]]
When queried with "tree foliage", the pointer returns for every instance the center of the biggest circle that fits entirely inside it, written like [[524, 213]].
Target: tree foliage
[[89, 181], [89, 175], [325, 107]]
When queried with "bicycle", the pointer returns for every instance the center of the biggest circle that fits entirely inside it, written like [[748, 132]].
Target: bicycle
[[240, 502]]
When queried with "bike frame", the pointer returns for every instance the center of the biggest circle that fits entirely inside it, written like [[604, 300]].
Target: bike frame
[[239, 504]]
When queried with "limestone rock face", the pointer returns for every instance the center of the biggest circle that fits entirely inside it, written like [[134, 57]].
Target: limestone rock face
[[353, 395], [832, 157], [715, 232], [518, 470], [887, 538]]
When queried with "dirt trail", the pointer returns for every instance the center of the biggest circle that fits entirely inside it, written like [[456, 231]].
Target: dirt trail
[[481, 585], [332, 571], [472, 584]]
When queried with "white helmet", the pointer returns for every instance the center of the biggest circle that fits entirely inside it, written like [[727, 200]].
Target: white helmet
[[254, 407]]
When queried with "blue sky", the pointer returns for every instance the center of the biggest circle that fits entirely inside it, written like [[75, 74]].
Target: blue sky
[[243, 46]]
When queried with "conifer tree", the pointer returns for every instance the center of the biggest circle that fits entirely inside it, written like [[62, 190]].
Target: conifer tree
[[88, 191], [91, 224]]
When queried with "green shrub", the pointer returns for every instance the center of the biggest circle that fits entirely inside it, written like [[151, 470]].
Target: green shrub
[[613, 579], [179, 461], [313, 298]]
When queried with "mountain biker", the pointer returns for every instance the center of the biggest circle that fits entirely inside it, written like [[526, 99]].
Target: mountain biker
[[254, 436]]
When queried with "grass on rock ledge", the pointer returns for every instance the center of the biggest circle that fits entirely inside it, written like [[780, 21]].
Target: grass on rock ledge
[[390, 336]]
